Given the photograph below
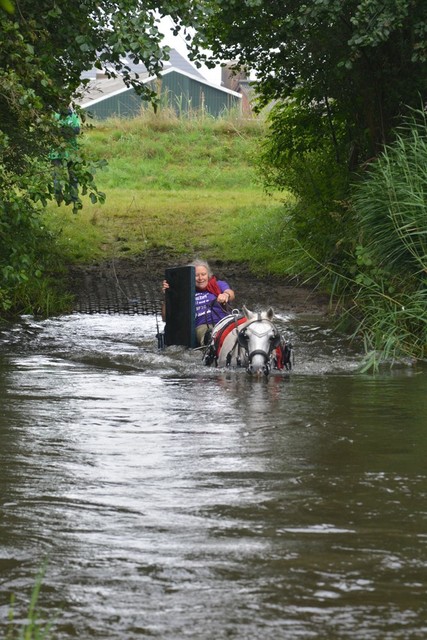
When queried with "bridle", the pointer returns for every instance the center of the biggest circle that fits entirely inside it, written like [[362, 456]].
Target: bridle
[[273, 342]]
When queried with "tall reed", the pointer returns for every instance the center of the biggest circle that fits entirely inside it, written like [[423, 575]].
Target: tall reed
[[390, 292]]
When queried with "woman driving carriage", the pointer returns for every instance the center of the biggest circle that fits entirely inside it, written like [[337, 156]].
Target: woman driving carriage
[[212, 297]]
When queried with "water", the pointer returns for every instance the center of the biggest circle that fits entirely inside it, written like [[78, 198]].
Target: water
[[174, 501]]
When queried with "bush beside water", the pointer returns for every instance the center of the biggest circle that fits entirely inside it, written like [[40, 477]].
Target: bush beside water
[[361, 236]]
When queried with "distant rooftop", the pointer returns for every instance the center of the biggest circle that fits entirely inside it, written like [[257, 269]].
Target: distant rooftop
[[176, 60], [100, 86]]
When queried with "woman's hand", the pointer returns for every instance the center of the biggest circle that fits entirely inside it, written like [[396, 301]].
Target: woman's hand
[[165, 285], [225, 297]]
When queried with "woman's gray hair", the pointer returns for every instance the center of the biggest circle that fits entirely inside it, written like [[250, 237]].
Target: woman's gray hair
[[202, 263]]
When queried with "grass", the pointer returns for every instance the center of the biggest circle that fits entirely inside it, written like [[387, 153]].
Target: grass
[[34, 628], [184, 184]]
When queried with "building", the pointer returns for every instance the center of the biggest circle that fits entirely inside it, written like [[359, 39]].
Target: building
[[180, 86], [238, 80]]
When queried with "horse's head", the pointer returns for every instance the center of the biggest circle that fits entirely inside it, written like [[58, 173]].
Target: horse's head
[[259, 337]]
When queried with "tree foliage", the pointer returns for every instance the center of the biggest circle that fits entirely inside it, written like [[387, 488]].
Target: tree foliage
[[369, 56], [305, 153]]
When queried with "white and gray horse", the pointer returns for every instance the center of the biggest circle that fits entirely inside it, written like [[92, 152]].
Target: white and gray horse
[[250, 340]]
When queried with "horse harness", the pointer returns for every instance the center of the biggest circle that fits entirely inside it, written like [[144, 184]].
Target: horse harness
[[220, 333], [282, 351]]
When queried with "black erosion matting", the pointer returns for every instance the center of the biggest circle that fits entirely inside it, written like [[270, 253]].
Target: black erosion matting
[[104, 290]]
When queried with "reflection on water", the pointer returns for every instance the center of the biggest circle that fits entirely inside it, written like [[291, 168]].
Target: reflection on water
[[176, 501]]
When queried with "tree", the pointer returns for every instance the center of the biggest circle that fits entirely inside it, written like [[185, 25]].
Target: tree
[[45, 47], [368, 57]]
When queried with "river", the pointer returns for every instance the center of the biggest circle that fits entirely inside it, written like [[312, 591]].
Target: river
[[170, 500]]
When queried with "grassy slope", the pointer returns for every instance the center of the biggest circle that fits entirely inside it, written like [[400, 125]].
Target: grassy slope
[[187, 185]]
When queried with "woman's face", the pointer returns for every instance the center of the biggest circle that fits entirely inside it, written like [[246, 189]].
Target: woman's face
[[202, 277]]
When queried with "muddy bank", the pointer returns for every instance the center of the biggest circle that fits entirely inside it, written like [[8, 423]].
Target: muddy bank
[[134, 286]]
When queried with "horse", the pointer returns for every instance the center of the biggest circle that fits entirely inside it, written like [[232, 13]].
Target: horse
[[250, 340]]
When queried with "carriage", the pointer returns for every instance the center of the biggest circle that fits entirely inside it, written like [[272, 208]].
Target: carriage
[[244, 338]]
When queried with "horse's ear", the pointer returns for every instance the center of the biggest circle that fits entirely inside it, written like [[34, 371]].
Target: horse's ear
[[270, 313], [249, 314]]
